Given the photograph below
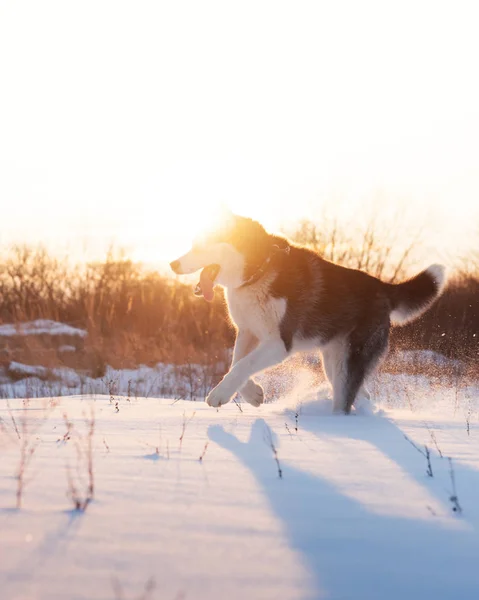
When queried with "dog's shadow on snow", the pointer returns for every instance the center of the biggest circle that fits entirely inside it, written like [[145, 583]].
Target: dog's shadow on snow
[[348, 551], [378, 430]]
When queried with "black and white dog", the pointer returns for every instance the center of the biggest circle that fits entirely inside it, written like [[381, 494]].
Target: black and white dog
[[284, 298]]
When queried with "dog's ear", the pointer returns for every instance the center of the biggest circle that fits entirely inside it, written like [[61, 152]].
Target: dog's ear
[[226, 216], [225, 211], [281, 244], [221, 218]]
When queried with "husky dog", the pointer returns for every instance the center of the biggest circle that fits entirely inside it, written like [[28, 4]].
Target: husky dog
[[284, 298]]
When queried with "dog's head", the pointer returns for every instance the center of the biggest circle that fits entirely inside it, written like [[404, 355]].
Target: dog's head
[[229, 255]]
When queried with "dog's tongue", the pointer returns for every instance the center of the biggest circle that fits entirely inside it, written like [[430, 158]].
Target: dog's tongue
[[206, 284]]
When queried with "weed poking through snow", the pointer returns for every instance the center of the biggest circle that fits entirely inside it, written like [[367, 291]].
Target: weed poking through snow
[[160, 440], [268, 437], [202, 455], [14, 423], [27, 450], [111, 390], [81, 498], [150, 587], [426, 453], [468, 420], [185, 424], [434, 440], [456, 507], [68, 433], [237, 404], [29, 442]]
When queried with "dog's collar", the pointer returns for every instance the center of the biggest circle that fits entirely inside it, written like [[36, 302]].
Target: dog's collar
[[256, 276]]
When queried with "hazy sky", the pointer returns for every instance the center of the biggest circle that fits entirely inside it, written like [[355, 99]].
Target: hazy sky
[[130, 121]]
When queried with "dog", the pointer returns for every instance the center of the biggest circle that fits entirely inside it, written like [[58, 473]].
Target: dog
[[285, 298]]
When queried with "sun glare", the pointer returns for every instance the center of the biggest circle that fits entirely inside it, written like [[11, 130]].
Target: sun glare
[[190, 220], [149, 130], [186, 199]]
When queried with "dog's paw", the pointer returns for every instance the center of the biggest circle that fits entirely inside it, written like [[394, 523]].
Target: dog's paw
[[219, 395], [253, 393]]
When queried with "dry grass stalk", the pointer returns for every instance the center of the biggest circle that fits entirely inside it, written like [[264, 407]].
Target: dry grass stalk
[[29, 442], [184, 426], [82, 491]]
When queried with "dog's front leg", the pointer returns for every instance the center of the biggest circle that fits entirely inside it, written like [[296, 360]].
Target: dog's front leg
[[245, 343], [267, 354]]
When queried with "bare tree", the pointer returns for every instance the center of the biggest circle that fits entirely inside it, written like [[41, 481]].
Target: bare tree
[[372, 246]]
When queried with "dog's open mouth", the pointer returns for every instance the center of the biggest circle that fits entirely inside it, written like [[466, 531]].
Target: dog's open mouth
[[207, 281]]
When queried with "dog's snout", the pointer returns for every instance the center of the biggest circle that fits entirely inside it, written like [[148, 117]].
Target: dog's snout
[[175, 266]]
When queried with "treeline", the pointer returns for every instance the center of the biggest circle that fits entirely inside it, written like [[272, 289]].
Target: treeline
[[451, 326], [133, 316]]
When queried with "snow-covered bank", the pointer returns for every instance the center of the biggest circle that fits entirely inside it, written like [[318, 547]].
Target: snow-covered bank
[[193, 381], [41, 327], [188, 382]]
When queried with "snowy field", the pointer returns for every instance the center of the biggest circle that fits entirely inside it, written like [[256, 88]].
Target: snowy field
[[187, 502]]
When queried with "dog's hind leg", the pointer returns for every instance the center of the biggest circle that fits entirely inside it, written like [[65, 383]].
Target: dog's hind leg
[[245, 343], [365, 350], [348, 361], [266, 355], [334, 365]]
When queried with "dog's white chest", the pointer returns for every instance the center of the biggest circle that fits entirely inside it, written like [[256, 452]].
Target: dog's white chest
[[255, 310]]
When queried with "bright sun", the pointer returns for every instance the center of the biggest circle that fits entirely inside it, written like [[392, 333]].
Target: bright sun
[[277, 110], [188, 199]]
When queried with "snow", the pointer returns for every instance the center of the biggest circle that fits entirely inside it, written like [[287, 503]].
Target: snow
[[424, 357], [68, 377], [24, 371], [41, 327], [190, 381], [354, 515], [178, 381], [67, 348]]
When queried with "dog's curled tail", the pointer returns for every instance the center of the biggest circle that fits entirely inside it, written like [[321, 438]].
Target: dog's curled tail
[[411, 298]]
